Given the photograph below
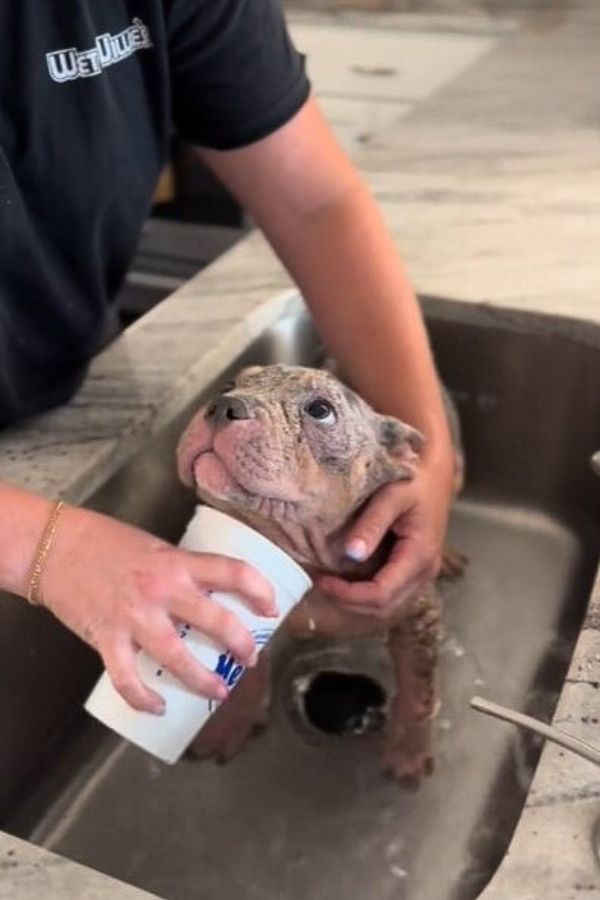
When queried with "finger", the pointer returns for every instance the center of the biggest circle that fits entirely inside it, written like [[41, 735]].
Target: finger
[[395, 580], [384, 608], [160, 639], [372, 525], [222, 573], [349, 592], [119, 659], [211, 619]]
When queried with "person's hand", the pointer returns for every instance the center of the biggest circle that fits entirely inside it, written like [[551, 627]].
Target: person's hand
[[121, 589], [416, 513]]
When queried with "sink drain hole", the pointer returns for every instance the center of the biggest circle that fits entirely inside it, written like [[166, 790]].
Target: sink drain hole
[[344, 703]]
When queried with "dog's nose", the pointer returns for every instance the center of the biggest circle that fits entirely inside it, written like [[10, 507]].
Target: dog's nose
[[227, 409]]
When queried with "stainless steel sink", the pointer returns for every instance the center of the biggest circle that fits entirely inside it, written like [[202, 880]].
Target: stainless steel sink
[[305, 811]]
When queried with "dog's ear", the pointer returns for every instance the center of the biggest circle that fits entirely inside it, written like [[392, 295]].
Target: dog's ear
[[398, 437], [400, 445]]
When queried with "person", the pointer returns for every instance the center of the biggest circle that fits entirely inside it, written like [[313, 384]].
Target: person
[[89, 93]]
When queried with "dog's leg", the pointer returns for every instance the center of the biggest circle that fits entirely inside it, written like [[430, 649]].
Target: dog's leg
[[243, 714], [413, 647]]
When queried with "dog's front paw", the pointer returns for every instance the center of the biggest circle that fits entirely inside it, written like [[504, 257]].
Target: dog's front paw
[[240, 717], [407, 755], [226, 733]]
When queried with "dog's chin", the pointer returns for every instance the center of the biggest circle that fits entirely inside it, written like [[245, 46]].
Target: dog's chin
[[217, 485], [214, 480]]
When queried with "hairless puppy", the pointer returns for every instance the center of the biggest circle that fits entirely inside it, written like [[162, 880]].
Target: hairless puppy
[[295, 454]]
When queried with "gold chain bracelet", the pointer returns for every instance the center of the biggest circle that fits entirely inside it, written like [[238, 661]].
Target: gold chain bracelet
[[41, 554]]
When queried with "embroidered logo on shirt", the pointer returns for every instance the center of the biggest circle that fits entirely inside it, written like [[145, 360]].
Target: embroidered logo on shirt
[[70, 63]]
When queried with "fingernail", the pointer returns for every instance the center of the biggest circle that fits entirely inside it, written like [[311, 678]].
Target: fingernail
[[253, 659], [159, 708], [273, 612], [356, 549], [222, 692]]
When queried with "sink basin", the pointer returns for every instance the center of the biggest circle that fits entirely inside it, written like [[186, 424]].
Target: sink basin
[[304, 811]]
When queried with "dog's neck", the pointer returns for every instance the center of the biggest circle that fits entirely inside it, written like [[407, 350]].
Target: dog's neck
[[317, 545]]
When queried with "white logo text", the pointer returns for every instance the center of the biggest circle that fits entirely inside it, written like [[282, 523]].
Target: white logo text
[[70, 63]]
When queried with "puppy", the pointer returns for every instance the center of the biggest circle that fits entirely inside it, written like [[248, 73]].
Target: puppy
[[295, 454]]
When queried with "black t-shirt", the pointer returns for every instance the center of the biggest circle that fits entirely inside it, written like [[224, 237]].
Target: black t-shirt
[[90, 91]]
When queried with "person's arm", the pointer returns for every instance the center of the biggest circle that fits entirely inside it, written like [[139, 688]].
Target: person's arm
[[320, 218], [120, 589]]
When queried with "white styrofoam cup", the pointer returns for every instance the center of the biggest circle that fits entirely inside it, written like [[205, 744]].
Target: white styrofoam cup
[[167, 736]]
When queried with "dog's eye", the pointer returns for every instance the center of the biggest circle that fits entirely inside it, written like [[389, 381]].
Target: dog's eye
[[227, 387], [321, 410]]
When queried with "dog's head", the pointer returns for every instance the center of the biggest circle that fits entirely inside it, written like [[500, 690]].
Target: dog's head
[[294, 447]]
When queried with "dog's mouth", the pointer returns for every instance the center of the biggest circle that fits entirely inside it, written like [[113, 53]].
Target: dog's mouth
[[219, 473], [212, 475]]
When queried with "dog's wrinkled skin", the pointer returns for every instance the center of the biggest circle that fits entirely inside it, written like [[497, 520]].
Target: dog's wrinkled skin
[[295, 454]]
